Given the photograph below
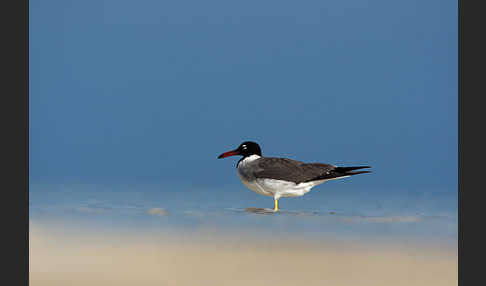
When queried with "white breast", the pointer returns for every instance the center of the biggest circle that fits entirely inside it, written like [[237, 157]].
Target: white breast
[[246, 176]]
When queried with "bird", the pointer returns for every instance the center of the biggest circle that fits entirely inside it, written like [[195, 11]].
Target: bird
[[282, 177]]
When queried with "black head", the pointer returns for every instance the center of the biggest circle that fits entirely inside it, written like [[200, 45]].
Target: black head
[[245, 149]]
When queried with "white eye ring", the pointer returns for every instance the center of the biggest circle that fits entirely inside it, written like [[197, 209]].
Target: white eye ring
[[244, 146]]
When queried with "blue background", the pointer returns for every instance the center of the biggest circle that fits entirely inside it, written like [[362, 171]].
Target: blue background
[[150, 92]]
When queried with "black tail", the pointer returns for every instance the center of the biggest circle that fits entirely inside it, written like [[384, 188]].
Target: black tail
[[341, 172], [355, 173], [347, 169]]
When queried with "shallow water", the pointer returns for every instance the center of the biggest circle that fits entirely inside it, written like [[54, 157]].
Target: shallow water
[[430, 215]]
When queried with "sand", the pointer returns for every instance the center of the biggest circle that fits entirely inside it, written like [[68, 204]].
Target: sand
[[61, 255]]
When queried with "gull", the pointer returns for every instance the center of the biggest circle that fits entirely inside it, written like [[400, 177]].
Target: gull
[[282, 177]]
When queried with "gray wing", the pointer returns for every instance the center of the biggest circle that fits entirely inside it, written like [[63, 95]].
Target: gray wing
[[291, 170]]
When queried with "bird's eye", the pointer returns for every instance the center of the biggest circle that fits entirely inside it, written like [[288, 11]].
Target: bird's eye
[[244, 146]]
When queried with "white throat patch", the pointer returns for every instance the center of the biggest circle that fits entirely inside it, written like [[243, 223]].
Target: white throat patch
[[248, 159]]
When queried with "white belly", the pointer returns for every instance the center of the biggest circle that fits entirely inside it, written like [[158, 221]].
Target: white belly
[[278, 188]]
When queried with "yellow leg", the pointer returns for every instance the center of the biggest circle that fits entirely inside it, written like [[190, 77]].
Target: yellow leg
[[276, 206]]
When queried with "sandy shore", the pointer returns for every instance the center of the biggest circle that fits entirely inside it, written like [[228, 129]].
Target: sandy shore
[[75, 256]]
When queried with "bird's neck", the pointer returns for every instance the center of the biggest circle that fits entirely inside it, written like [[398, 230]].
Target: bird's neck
[[245, 160]]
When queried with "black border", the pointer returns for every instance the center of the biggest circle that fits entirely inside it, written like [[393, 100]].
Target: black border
[[471, 237], [15, 149]]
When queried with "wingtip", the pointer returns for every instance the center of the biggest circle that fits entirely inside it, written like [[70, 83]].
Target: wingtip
[[357, 173], [352, 168]]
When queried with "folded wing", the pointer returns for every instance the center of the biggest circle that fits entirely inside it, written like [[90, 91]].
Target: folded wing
[[300, 172]]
